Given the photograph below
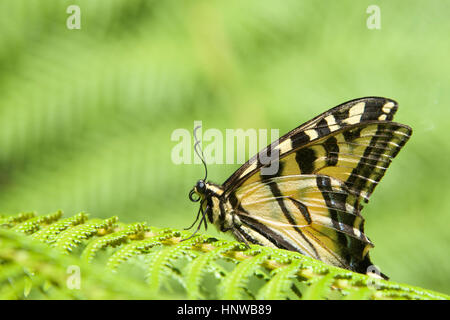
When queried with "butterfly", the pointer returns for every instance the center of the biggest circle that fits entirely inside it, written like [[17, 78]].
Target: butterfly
[[327, 168]]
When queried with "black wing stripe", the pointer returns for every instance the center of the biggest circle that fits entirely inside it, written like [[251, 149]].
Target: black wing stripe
[[300, 139], [278, 240], [277, 193], [324, 184], [322, 128], [305, 159], [303, 209], [332, 151]]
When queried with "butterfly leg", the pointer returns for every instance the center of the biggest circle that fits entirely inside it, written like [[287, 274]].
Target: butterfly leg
[[238, 235]]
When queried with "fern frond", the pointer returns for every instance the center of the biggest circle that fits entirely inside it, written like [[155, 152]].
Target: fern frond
[[50, 267], [320, 288], [70, 238], [155, 238], [235, 282], [31, 225], [10, 221], [37, 252], [49, 233], [358, 294], [132, 231], [160, 265], [197, 268], [131, 250], [281, 282]]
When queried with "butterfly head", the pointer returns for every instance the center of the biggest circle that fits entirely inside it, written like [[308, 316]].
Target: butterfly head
[[199, 191]]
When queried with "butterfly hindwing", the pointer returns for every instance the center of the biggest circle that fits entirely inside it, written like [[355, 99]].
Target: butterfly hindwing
[[312, 214]]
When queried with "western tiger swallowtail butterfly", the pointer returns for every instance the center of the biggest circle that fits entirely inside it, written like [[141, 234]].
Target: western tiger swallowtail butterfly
[[327, 167]]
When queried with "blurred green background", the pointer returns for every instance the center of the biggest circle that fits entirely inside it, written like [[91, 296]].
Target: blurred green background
[[86, 116]]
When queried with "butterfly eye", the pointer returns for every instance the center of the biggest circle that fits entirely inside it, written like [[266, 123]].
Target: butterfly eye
[[201, 186]]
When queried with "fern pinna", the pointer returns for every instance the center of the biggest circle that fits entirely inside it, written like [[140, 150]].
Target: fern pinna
[[38, 256]]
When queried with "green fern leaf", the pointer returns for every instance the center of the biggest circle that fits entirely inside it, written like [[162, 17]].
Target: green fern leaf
[[233, 285], [128, 232], [36, 252], [359, 294], [69, 239], [320, 288], [159, 266], [281, 282], [131, 250], [49, 233], [30, 226], [10, 221], [198, 267]]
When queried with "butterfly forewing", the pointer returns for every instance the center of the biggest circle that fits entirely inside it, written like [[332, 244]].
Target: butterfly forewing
[[352, 112]]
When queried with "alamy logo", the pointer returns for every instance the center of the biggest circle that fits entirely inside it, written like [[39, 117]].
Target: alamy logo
[[74, 277], [374, 19], [225, 149], [74, 20]]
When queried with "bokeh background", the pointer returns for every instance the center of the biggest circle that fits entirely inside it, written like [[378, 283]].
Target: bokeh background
[[86, 116]]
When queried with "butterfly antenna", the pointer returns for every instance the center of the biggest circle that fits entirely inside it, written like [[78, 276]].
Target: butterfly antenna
[[200, 153]]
